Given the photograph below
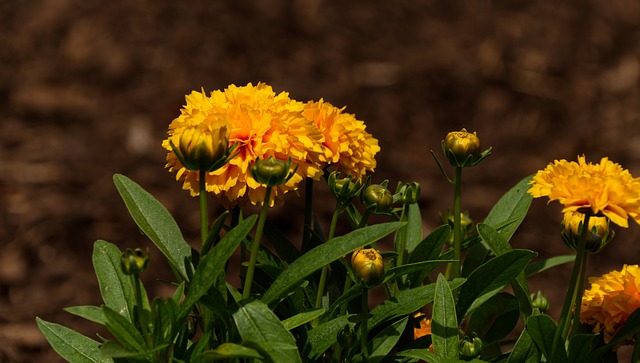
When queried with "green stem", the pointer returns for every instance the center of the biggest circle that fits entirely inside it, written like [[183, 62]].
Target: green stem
[[325, 268], [364, 316], [308, 211], [572, 297], [204, 213], [457, 229], [635, 356], [246, 291]]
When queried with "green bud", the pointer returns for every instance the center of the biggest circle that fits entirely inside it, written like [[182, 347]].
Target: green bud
[[272, 172], [462, 148], [470, 348], [202, 147], [411, 193], [134, 262], [344, 189], [539, 301], [377, 199]]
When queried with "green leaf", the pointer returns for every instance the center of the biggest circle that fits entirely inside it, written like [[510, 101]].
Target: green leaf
[[511, 209], [116, 287], [542, 329], [431, 246], [490, 278], [212, 265], [320, 338], [406, 302], [123, 330], [258, 324], [91, 313], [155, 222], [525, 351], [302, 318], [69, 344], [494, 319], [354, 292], [421, 354], [229, 351], [542, 265], [499, 245], [379, 347], [414, 227], [285, 249], [444, 326], [580, 347], [111, 349], [324, 254], [395, 272]]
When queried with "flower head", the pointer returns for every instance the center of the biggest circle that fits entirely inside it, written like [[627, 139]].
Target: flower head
[[604, 188], [611, 299], [346, 146], [598, 235], [367, 265], [261, 124]]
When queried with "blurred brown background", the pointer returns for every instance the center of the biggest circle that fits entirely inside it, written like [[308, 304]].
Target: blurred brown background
[[88, 88]]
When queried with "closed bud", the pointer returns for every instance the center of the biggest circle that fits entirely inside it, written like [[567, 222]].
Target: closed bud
[[367, 265], [598, 235], [134, 262], [411, 193], [470, 348], [377, 199], [202, 148], [345, 189], [462, 148], [272, 172], [540, 302]]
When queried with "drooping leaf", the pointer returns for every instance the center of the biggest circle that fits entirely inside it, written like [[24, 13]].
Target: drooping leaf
[[71, 345], [444, 324], [258, 324], [324, 254], [155, 222]]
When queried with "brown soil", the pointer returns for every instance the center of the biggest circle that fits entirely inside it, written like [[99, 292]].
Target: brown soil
[[88, 88]]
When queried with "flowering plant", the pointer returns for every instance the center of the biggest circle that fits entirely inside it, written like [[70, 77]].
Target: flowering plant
[[456, 293]]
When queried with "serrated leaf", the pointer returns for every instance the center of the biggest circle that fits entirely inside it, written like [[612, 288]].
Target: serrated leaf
[[155, 221], [444, 325], [491, 277], [324, 254], [71, 345], [212, 265], [258, 324]]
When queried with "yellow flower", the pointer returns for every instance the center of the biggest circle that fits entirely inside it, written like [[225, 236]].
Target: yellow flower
[[604, 188], [425, 326], [611, 299], [598, 236], [261, 124], [367, 265], [347, 146]]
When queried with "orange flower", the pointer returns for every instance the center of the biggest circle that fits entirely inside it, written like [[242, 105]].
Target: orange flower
[[611, 299], [605, 188]]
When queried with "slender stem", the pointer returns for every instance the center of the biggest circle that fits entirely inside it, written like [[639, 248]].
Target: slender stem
[[635, 356], [457, 229], [308, 211], [572, 295], [325, 268], [581, 278], [364, 316], [204, 213], [246, 291]]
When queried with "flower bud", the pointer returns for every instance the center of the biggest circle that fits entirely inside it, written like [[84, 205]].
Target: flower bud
[[367, 265], [470, 348], [539, 301], [344, 189], [133, 262], [411, 193], [462, 148], [598, 235], [272, 172], [377, 199], [202, 148]]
